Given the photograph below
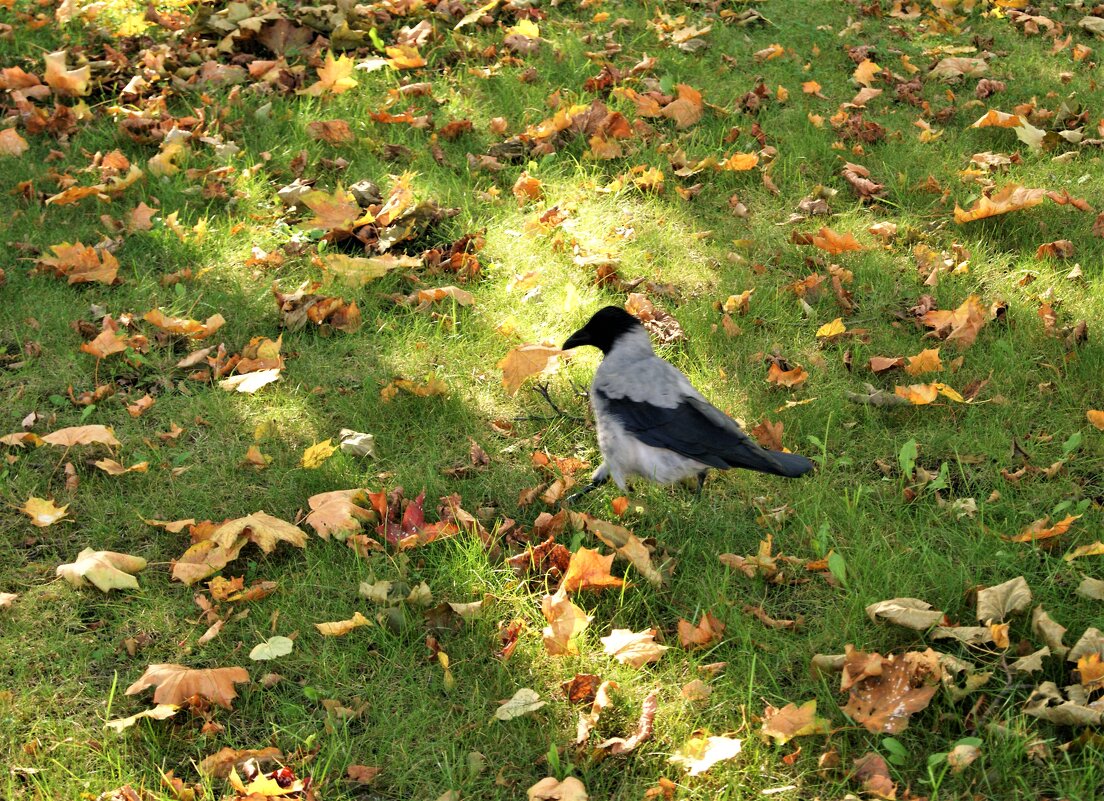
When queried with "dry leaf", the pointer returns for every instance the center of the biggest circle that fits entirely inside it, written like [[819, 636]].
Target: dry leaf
[[589, 570], [335, 76], [549, 789], [566, 622], [886, 691], [106, 570], [342, 627], [523, 362], [1010, 198], [176, 684], [702, 752], [912, 613], [524, 702], [709, 630], [317, 454], [633, 649], [994, 604], [782, 725], [43, 512], [833, 242]]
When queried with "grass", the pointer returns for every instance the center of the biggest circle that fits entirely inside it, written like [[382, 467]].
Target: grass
[[65, 664]]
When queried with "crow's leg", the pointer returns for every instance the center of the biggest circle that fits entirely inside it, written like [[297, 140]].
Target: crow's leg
[[600, 477], [701, 483]]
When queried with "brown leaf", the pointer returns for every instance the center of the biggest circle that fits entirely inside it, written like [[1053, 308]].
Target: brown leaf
[[617, 746], [82, 435], [1010, 198], [872, 770], [80, 264], [708, 631], [782, 725], [176, 684], [792, 378], [900, 685], [589, 570], [523, 362], [768, 434], [335, 132]]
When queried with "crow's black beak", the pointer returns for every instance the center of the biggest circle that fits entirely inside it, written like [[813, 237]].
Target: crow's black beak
[[580, 337]]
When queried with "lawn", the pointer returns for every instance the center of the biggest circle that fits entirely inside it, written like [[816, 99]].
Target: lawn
[[361, 210]]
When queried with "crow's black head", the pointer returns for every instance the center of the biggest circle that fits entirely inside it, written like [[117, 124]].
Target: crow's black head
[[603, 329]]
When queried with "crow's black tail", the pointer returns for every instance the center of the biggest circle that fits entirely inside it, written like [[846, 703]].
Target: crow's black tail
[[790, 465]]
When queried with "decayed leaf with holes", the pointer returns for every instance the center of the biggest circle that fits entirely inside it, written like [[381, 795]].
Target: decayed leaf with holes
[[159, 712], [43, 512], [566, 622], [633, 648], [589, 570], [193, 329], [1010, 198], [340, 628], [708, 631], [912, 613], [997, 603], [782, 725], [335, 77], [525, 361], [904, 684], [832, 242], [105, 570], [80, 264], [176, 684], [701, 752]]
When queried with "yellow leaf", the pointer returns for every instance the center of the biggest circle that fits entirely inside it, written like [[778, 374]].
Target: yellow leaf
[[525, 27], [865, 72], [525, 361], [926, 361], [832, 329], [334, 76], [43, 512], [739, 162], [342, 627], [106, 570], [1096, 417]]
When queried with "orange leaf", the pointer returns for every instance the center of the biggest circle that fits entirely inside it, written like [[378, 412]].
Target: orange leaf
[[405, 57], [998, 119], [1040, 531], [865, 72], [708, 631], [686, 109], [739, 162], [926, 361], [589, 570], [1010, 198], [1096, 417], [832, 242], [64, 81], [525, 361], [791, 378], [81, 264], [527, 188], [961, 325], [335, 132]]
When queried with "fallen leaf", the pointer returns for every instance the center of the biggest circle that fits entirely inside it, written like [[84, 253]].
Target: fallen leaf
[[633, 648], [44, 512], [342, 627], [995, 604], [105, 570], [616, 746], [566, 622], [80, 264], [589, 570], [548, 788], [317, 454], [176, 684], [708, 631], [832, 242], [272, 648], [159, 712], [902, 685], [523, 362], [335, 76], [524, 702], [912, 613], [792, 378], [702, 752], [926, 361], [1010, 198], [782, 725]]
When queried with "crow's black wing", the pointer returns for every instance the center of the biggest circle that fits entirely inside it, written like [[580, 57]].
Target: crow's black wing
[[698, 430]]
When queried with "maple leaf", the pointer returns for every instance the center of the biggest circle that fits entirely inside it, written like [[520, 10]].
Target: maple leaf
[[998, 119], [339, 513], [701, 752], [44, 513], [832, 330], [336, 211], [1011, 198], [335, 76], [6, 599], [193, 329], [926, 361], [427, 297], [903, 684], [865, 72], [912, 613], [527, 188], [882, 364], [833, 242], [317, 454], [998, 602], [792, 378], [686, 109], [176, 684], [627, 545], [923, 394], [525, 361], [263, 530], [80, 264], [768, 434], [589, 570], [961, 325], [220, 764], [335, 132], [404, 57], [709, 630], [566, 622], [633, 648], [105, 570], [81, 435], [782, 725], [342, 627], [12, 144], [64, 81]]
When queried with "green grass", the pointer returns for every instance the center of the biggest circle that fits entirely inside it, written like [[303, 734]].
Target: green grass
[[65, 665]]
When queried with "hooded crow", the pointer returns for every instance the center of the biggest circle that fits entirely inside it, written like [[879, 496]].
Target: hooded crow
[[651, 421]]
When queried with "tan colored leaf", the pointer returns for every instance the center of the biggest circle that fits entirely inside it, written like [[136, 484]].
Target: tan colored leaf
[[336, 211], [340, 513], [43, 512], [548, 788], [335, 132], [995, 604], [114, 468], [80, 264], [792, 378], [708, 631], [176, 684], [872, 770], [6, 599], [882, 364], [523, 362], [702, 752], [359, 270], [159, 712], [342, 627], [566, 622], [249, 383], [633, 648], [193, 329], [616, 746], [262, 529], [64, 81], [1092, 549], [686, 109], [105, 570], [912, 613], [11, 143], [524, 702], [782, 725], [527, 188], [926, 361], [627, 545], [221, 763]]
